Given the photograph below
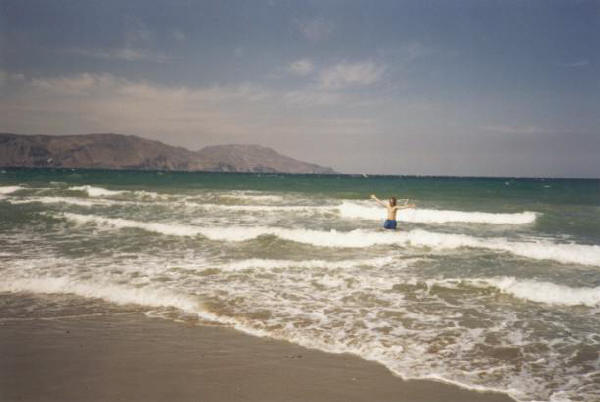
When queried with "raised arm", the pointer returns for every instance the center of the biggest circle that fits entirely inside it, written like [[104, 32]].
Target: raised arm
[[377, 200]]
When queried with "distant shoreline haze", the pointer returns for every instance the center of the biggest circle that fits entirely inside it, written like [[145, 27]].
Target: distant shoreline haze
[[117, 151], [130, 152]]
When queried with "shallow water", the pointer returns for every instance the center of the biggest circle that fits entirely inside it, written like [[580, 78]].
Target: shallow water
[[490, 283]]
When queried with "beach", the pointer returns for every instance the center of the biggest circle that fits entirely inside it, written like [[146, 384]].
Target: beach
[[130, 357], [140, 284]]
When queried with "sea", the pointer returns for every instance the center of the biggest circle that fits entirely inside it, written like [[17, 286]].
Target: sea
[[488, 283]]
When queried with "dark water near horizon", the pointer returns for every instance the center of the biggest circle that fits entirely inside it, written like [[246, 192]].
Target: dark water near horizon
[[491, 283]]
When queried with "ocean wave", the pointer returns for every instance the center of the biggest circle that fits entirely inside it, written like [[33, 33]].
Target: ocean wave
[[538, 249], [355, 210], [99, 192], [263, 208], [118, 294], [347, 209], [191, 304], [94, 191], [58, 200], [259, 263], [531, 290], [10, 189], [251, 196]]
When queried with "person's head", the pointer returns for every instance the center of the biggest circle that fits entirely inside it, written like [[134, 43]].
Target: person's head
[[393, 201]]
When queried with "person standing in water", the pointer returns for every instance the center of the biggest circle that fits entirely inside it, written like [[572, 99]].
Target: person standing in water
[[392, 209]]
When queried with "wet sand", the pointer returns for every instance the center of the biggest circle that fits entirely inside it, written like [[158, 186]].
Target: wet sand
[[129, 357]]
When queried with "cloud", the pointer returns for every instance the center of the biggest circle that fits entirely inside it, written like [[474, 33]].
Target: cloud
[[80, 84], [309, 97], [344, 75], [178, 35], [180, 115], [125, 53], [503, 129], [576, 63], [106, 103], [315, 29], [137, 41], [6, 78], [301, 67]]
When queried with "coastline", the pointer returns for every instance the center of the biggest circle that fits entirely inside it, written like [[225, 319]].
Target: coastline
[[129, 356]]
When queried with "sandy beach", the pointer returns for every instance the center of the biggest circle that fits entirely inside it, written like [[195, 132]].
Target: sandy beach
[[130, 357]]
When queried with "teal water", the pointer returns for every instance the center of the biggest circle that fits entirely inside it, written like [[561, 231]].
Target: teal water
[[489, 283]]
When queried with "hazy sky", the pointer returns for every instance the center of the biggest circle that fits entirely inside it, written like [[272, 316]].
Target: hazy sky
[[398, 87]]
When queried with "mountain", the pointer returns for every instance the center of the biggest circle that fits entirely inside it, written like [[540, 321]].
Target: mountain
[[116, 151]]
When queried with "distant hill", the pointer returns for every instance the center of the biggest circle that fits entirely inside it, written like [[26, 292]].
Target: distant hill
[[116, 151]]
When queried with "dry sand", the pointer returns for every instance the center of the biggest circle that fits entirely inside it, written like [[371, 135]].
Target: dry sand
[[129, 357]]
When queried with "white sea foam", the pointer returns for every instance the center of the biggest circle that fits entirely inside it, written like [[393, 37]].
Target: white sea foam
[[546, 292], [172, 229], [251, 196], [58, 200], [10, 189], [309, 264], [532, 290], [354, 210], [350, 209], [263, 208], [94, 191], [123, 295], [539, 249], [114, 293]]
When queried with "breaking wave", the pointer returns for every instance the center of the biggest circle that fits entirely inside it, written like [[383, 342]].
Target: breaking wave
[[94, 191], [538, 249], [9, 189], [531, 290], [356, 210], [110, 292]]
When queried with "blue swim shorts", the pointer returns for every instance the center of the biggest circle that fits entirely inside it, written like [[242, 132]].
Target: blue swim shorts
[[390, 224]]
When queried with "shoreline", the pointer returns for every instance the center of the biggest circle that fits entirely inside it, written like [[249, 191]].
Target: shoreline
[[129, 356]]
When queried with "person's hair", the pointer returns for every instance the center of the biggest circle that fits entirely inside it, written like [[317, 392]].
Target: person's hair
[[393, 201]]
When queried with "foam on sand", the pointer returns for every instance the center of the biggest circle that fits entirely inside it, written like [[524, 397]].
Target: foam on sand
[[538, 249], [350, 209]]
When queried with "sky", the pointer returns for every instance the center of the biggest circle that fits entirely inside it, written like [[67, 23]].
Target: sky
[[475, 88]]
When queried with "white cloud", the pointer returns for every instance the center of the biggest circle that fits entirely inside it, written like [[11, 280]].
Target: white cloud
[[180, 115], [6, 78], [345, 75], [80, 84], [178, 35], [315, 29], [106, 103], [124, 53], [505, 129], [301, 67], [576, 63]]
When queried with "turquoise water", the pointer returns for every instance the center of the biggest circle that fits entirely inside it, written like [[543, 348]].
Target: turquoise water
[[489, 283]]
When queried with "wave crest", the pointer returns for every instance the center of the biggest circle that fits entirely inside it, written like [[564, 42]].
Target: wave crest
[[10, 189], [355, 210], [531, 290], [538, 249]]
